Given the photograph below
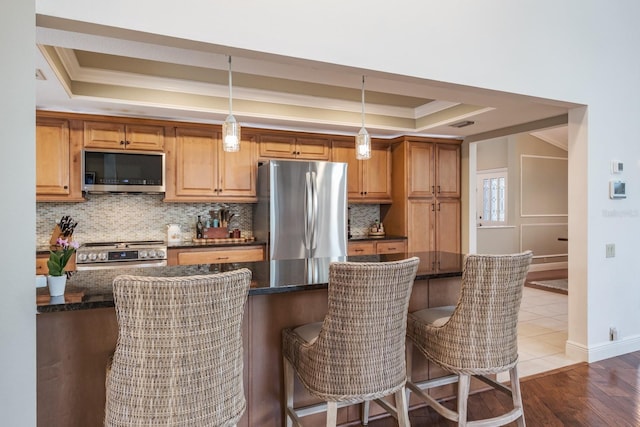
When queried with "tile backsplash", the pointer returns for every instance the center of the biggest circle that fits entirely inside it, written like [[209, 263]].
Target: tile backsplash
[[127, 217]]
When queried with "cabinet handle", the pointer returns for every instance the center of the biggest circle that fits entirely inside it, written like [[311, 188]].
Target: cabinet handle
[[438, 207], [123, 143], [392, 249], [359, 250], [438, 189], [66, 187], [433, 189], [222, 257]]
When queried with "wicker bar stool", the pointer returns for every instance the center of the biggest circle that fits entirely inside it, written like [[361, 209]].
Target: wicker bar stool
[[476, 337], [357, 353], [178, 359]]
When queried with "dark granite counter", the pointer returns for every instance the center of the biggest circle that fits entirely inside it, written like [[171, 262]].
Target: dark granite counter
[[269, 277], [376, 238]]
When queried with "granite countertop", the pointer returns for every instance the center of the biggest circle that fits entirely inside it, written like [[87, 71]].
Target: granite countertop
[[385, 237], [268, 277]]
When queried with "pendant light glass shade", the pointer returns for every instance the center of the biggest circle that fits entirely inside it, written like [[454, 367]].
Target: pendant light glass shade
[[230, 127], [363, 140]]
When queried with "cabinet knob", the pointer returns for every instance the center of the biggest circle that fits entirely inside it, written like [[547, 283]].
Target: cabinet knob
[[66, 187], [122, 143]]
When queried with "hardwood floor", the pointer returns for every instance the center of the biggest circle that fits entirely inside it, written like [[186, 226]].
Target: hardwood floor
[[605, 393]]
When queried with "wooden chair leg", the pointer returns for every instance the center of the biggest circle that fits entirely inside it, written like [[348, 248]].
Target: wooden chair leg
[[409, 365], [463, 396], [402, 408], [364, 416], [516, 394], [332, 414], [288, 391]]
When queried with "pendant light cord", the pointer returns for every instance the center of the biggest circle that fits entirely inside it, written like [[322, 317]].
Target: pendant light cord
[[363, 101], [230, 86]]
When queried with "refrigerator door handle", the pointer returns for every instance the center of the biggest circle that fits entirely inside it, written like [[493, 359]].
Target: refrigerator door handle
[[314, 214], [308, 211]]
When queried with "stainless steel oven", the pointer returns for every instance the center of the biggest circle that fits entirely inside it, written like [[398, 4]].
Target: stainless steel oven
[[101, 255]]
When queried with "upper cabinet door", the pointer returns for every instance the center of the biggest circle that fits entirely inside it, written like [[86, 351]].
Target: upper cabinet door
[[195, 163], [345, 152], [52, 157], [368, 181], [277, 146], [376, 174], [447, 170], [421, 171], [238, 169], [144, 137], [118, 136], [284, 146], [310, 148]]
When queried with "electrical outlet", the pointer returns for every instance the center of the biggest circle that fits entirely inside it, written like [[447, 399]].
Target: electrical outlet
[[611, 250], [613, 334]]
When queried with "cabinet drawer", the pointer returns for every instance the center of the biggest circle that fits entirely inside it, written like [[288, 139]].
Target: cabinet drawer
[[362, 248], [392, 247], [220, 256], [42, 268]]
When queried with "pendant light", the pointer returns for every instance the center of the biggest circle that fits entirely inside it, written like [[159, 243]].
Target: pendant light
[[363, 140], [230, 127]]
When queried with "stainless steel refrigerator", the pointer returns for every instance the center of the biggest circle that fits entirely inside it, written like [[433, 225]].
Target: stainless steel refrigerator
[[302, 209]]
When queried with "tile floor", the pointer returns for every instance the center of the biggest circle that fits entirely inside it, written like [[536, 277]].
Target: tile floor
[[542, 332]]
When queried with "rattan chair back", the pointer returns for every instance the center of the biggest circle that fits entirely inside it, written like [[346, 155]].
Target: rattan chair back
[[360, 351], [481, 336], [178, 359]]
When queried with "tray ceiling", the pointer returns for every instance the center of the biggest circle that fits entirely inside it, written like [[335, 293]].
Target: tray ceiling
[[99, 70]]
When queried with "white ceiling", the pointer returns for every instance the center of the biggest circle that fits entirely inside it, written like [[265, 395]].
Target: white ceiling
[[92, 69]]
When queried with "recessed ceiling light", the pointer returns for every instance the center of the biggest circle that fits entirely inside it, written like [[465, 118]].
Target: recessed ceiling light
[[462, 124], [40, 74]]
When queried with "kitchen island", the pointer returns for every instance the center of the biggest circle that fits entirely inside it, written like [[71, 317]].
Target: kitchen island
[[75, 339]]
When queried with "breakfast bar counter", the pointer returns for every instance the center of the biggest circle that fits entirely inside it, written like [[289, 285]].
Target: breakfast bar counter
[[75, 339]]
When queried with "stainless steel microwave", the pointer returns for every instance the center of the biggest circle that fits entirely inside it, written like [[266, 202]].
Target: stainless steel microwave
[[105, 171]]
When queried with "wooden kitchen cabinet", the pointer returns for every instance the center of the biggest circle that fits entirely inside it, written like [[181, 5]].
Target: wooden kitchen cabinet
[[426, 194], [289, 146], [120, 136], [372, 247], [58, 150], [433, 169], [368, 181], [198, 169], [43, 269], [213, 255]]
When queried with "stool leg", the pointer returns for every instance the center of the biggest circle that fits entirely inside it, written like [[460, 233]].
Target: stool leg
[[332, 414], [516, 394], [463, 395], [402, 409], [364, 416], [409, 366], [288, 391]]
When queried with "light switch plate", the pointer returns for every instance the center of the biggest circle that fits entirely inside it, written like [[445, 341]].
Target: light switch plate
[[611, 250]]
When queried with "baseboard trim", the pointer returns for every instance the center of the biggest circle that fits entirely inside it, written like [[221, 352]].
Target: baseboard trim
[[602, 351], [549, 266]]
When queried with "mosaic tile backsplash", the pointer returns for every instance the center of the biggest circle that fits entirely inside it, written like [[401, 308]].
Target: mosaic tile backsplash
[[122, 217]]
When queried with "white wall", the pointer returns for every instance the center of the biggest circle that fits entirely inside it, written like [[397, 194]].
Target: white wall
[[583, 53], [17, 142]]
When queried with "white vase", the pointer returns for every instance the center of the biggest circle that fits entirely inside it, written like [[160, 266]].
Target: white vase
[[57, 285]]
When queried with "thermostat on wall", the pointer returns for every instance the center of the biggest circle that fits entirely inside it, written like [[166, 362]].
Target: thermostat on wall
[[617, 190], [616, 166]]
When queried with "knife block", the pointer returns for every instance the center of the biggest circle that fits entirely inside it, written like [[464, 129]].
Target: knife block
[[215, 233], [54, 237]]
